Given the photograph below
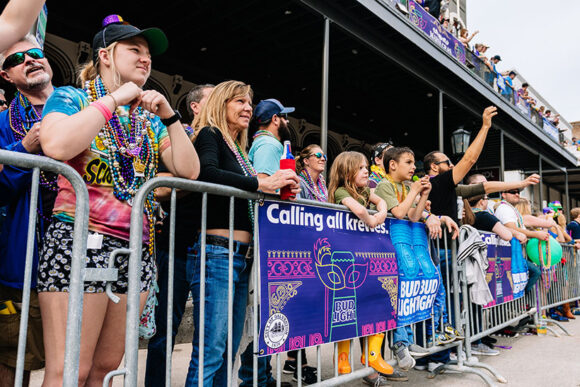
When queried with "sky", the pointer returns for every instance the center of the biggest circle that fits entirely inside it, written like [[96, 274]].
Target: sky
[[540, 39]]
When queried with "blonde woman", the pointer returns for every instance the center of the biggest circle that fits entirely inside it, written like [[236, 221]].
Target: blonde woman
[[222, 137], [112, 133]]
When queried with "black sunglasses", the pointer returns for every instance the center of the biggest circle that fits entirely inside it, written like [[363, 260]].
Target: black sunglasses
[[319, 155], [3, 103], [19, 57], [283, 115], [513, 191], [448, 162]]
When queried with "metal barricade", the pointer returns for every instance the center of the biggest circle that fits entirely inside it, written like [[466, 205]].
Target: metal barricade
[[450, 274], [75, 303], [557, 286]]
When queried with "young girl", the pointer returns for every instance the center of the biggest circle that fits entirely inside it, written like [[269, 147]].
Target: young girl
[[112, 133], [349, 186]]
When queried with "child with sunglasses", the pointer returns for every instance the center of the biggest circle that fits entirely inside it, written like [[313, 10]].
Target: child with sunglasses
[[349, 187]]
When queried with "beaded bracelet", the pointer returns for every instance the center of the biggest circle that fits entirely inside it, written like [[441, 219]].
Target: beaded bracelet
[[103, 109]]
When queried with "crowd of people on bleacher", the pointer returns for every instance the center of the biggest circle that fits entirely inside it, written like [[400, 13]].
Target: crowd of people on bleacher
[[117, 136]]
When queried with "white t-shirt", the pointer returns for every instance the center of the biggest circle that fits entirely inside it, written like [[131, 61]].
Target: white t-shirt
[[506, 214]]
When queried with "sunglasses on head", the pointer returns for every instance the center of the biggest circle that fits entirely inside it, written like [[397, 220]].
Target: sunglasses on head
[[448, 162], [19, 57], [319, 155], [513, 191]]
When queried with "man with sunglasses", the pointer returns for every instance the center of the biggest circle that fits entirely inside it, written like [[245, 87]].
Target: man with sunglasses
[[510, 217], [270, 123], [24, 65], [3, 102]]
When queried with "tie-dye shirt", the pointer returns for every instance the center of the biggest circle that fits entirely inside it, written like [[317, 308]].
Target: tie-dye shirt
[[107, 214]]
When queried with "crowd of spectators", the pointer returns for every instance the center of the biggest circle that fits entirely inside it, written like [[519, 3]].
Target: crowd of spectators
[[502, 81], [118, 136]]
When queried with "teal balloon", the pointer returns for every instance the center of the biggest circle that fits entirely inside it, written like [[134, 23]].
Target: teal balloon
[[534, 254]]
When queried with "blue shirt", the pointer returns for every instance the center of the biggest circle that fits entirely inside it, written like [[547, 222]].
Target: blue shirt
[[265, 154], [573, 229]]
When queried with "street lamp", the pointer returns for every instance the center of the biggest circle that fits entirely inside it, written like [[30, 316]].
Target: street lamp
[[460, 140]]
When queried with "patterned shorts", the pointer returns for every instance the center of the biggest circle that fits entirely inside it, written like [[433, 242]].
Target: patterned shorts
[[54, 263]]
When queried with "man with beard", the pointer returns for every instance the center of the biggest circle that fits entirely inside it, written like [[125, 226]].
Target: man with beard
[[24, 65], [271, 118]]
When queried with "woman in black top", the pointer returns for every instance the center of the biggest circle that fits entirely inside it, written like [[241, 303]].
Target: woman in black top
[[221, 144]]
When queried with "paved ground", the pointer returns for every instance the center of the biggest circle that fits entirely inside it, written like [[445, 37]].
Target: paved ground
[[532, 361]]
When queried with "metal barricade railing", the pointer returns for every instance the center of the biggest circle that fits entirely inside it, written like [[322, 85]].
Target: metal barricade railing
[[557, 286], [75, 302], [450, 274]]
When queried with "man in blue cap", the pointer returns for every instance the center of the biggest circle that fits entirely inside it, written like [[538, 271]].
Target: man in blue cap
[[271, 119]]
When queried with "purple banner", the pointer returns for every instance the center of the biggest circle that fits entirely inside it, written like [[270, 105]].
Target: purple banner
[[506, 276], [326, 277], [436, 32]]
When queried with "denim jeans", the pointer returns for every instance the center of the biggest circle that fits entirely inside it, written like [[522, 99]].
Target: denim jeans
[[216, 311], [534, 273], [156, 351], [440, 303], [403, 335], [246, 372]]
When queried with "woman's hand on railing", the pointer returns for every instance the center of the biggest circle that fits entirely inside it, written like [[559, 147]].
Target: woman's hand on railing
[[281, 178], [519, 236]]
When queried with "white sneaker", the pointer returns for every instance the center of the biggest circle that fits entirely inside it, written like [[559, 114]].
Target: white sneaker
[[483, 350], [453, 356], [433, 365]]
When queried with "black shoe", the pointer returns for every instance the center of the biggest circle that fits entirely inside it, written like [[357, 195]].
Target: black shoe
[[308, 375], [282, 384], [289, 367]]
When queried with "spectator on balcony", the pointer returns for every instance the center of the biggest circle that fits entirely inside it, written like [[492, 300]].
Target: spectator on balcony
[[492, 75], [541, 111], [465, 38], [523, 92], [3, 102], [548, 115], [508, 91], [480, 50]]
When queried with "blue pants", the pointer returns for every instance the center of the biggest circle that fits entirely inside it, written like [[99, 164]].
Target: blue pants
[[440, 303], [246, 372], [156, 351], [216, 311], [403, 335], [534, 273]]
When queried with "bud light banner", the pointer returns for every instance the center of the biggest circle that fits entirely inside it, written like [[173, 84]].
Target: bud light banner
[[507, 271], [418, 276], [325, 277], [436, 32]]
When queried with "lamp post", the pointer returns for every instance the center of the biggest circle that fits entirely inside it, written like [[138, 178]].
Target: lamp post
[[460, 141]]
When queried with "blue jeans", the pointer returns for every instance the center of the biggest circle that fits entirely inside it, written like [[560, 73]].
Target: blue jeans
[[216, 311], [403, 335], [156, 351], [440, 303], [246, 372], [534, 273]]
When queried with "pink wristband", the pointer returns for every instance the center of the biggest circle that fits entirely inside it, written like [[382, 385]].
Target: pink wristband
[[103, 109]]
